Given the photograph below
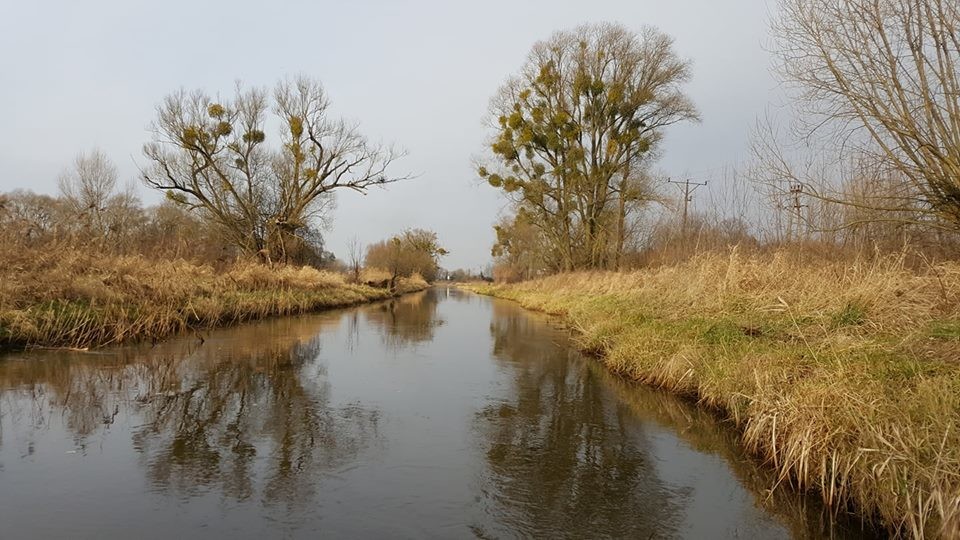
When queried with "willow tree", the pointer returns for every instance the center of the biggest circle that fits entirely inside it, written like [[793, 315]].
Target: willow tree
[[574, 129], [214, 156]]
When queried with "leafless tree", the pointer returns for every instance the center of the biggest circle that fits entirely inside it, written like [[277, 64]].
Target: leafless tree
[[355, 257], [214, 157], [88, 185], [882, 79], [814, 189], [27, 217]]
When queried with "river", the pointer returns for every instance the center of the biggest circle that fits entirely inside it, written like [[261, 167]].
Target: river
[[441, 414]]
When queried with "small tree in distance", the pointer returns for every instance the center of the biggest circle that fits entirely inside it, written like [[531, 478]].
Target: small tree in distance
[[355, 258], [88, 185], [415, 250]]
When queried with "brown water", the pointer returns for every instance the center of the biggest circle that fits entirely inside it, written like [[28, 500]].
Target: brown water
[[441, 414]]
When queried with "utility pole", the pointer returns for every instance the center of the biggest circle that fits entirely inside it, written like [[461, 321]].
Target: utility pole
[[795, 191], [687, 187]]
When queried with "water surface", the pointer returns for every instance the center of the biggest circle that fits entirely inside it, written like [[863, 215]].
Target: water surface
[[440, 415]]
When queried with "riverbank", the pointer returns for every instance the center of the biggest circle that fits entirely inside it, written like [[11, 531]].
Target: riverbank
[[845, 377], [73, 298]]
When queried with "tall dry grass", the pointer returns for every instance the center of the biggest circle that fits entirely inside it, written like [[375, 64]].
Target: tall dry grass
[[76, 298], [845, 377]]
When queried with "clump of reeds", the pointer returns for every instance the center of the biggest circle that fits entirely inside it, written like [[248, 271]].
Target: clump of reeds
[[843, 376], [77, 298]]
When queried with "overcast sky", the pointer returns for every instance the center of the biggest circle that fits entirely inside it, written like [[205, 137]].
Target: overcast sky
[[77, 75]]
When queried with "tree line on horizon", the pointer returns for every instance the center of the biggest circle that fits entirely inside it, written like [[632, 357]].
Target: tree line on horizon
[[868, 159], [229, 193]]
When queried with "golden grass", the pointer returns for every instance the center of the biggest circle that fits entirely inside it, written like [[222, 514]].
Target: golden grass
[[78, 299], [845, 377], [374, 275]]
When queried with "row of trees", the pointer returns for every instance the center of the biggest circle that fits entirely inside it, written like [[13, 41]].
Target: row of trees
[[93, 211], [870, 157], [230, 192]]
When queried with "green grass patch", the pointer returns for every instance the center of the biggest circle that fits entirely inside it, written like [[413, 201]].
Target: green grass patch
[[852, 314], [946, 330]]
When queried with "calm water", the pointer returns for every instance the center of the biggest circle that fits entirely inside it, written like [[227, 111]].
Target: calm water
[[441, 414]]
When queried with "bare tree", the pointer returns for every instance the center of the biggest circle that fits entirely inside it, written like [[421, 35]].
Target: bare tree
[[88, 185], [214, 157], [26, 217], [817, 190], [355, 257], [883, 78]]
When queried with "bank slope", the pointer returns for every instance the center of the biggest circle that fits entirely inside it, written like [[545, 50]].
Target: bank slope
[[845, 377], [74, 298]]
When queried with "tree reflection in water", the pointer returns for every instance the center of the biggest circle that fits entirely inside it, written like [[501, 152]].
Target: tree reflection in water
[[247, 413], [369, 422], [406, 321], [572, 453], [561, 459]]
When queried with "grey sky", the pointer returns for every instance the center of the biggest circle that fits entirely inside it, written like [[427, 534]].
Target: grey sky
[[418, 73]]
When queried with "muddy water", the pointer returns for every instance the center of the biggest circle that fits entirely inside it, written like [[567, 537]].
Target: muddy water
[[441, 414]]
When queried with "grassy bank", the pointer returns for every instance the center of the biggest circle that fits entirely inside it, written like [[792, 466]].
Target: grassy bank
[[845, 377], [73, 298]]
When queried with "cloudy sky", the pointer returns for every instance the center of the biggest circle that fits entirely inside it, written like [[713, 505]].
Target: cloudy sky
[[77, 75]]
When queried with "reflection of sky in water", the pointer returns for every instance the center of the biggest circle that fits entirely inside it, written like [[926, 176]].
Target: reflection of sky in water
[[437, 414]]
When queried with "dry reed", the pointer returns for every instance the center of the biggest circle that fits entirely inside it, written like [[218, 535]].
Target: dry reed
[[74, 298]]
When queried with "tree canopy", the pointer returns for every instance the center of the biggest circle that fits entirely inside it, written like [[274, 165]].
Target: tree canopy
[[414, 250], [574, 130], [214, 156]]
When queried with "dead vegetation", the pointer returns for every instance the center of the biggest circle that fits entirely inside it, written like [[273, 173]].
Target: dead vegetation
[[78, 298]]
